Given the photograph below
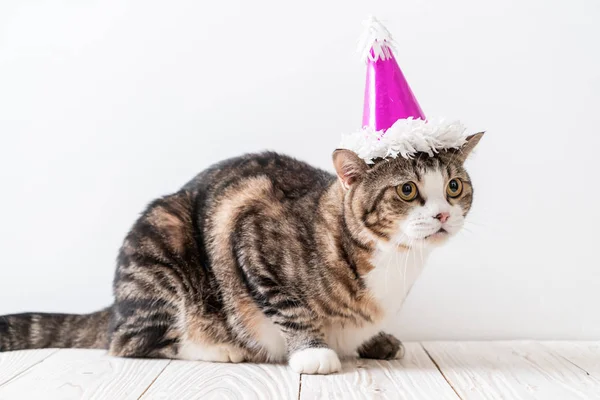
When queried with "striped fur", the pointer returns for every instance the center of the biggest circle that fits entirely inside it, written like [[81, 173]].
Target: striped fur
[[40, 330], [259, 258]]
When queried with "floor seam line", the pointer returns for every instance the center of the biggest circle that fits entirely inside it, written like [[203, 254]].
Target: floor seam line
[[556, 353], [441, 372], [154, 380], [571, 362], [28, 368]]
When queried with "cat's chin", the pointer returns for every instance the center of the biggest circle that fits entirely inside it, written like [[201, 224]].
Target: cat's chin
[[437, 238], [434, 239]]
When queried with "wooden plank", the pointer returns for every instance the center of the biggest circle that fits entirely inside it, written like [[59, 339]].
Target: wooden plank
[[187, 380], [586, 355], [413, 377], [84, 374], [12, 363], [511, 370]]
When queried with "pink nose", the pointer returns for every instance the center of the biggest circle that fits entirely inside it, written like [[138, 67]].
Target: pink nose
[[443, 216]]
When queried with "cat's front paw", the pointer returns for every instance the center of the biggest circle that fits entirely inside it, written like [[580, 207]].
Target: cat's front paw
[[382, 347], [315, 361]]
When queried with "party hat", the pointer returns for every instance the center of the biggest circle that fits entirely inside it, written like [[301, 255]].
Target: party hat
[[388, 96], [393, 121]]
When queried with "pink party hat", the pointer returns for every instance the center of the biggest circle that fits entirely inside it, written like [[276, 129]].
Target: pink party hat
[[393, 121], [388, 96]]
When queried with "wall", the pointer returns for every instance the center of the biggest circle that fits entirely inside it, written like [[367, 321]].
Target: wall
[[105, 105]]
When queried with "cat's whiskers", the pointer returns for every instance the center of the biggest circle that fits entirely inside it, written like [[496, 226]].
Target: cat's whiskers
[[396, 258], [464, 234], [465, 229], [475, 223], [406, 265], [478, 226], [392, 259], [387, 270]]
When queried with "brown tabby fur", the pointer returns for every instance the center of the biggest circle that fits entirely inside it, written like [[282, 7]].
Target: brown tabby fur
[[259, 236]]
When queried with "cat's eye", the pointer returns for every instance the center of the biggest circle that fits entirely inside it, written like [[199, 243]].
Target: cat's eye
[[407, 191], [454, 188]]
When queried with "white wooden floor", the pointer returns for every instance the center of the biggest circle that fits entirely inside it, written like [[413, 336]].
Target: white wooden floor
[[440, 370]]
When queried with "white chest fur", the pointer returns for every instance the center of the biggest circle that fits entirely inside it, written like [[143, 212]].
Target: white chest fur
[[394, 275], [389, 283]]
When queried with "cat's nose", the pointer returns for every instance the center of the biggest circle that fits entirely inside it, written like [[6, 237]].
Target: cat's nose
[[443, 217]]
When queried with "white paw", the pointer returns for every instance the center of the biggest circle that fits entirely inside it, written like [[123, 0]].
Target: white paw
[[400, 353], [315, 361]]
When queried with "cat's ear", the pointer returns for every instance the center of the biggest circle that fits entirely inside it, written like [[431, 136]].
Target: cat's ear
[[469, 145], [349, 167]]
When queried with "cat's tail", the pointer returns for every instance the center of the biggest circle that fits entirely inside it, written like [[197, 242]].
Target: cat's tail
[[40, 331]]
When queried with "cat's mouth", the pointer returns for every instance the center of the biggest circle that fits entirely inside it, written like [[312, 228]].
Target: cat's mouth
[[440, 233]]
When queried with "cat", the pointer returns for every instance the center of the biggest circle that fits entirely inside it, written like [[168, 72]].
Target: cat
[[263, 258]]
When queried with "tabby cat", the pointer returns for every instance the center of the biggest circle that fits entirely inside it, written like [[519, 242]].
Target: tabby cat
[[263, 258]]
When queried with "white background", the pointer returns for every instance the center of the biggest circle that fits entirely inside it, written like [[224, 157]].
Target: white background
[[105, 105]]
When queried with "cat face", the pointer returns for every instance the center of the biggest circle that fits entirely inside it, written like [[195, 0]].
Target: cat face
[[419, 201]]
